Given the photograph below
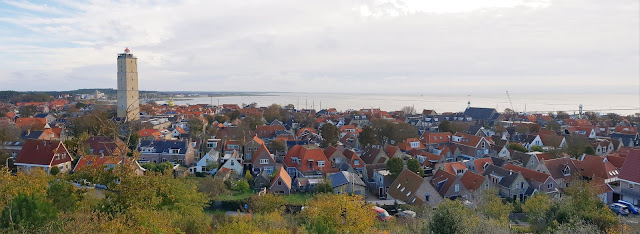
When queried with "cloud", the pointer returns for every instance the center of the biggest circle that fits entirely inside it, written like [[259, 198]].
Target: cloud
[[327, 46]]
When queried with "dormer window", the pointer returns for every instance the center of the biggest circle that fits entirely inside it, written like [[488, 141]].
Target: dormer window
[[174, 151], [566, 171]]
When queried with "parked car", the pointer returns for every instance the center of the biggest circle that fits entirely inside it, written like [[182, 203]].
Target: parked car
[[619, 209], [632, 209], [407, 214], [382, 214]]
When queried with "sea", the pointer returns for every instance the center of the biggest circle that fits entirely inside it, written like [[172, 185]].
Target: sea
[[623, 104]]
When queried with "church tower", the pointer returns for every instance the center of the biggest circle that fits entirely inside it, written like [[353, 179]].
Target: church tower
[[128, 97]]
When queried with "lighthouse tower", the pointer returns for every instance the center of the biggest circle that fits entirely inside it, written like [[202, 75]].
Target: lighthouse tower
[[128, 96]]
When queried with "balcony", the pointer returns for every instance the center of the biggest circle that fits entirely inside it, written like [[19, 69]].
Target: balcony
[[626, 192]]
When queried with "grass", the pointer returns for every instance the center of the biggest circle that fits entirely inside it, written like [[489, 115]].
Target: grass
[[234, 196], [297, 198]]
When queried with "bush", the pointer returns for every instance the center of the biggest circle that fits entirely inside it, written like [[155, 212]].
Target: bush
[[536, 148], [54, 171], [28, 211]]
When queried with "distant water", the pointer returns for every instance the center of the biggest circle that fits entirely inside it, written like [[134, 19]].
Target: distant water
[[623, 104]]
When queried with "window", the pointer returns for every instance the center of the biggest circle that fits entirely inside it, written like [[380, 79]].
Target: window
[[402, 190], [427, 197], [279, 182], [409, 193], [550, 186], [174, 151], [232, 163], [264, 161], [164, 159], [398, 186], [457, 188], [356, 162], [631, 186], [320, 163]]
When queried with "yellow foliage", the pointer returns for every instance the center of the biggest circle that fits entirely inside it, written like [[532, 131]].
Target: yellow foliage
[[344, 213]]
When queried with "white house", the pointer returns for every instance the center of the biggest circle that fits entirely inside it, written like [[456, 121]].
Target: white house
[[233, 163]]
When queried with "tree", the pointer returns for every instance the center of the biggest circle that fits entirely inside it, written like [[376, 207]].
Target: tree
[[249, 178], [408, 110], [251, 122], [582, 204], [233, 115], [562, 115], [517, 147], [576, 145], [537, 208], [8, 133], [536, 148], [414, 165], [324, 188], [28, 211], [552, 125], [273, 112], [290, 106], [589, 150], [395, 166], [452, 217], [492, 208], [27, 110], [54, 171], [196, 127], [591, 115], [330, 134], [338, 213], [445, 126], [278, 146], [522, 129], [62, 195], [508, 111], [252, 105], [221, 118], [367, 136], [615, 118], [266, 203]]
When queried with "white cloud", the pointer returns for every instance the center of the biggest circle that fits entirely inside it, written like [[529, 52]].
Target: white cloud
[[327, 46]]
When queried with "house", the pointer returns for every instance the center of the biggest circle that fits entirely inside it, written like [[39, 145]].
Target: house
[[249, 149], [109, 162], [44, 154], [433, 140], [394, 151], [501, 151], [471, 146], [538, 180], [405, 188], [233, 164], [261, 180], [269, 131], [263, 161], [562, 170], [448, 185], [179, 152], [374, 155], [107, 146], [510, 184], [552, 141], [281, 183], [177, 132], [335, 155], [455, 168], [596, 167], [231, 146], [411, 143], [629, 178], [204, 164], [585, 131], [482, 115], [478, 165], [150, 134], [474, 182], [354, 160], [526, 160], [346, 182], [602, 147], [306, 159], [32, 123], [381, 180]]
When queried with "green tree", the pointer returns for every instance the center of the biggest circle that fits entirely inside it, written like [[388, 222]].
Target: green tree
[[562, 115], [63, 195], [54, 171], [537, 208], [324, 188], [251, 122], [278, 146], [338, 213], [536, 148], [395, 166], [553, 126], [452, 217], [196, 127], [273, 112], [233, 115], [28, 211], [445, 126], [414, 165], [266, 203], [517, 147], [330, 134], [367, 136], [589, 150], [576, 145], [249, 178], [492, 208]]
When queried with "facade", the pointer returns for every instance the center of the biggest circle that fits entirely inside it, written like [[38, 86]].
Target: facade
[[281, 183], [128, 96], [179, 152], [347, 182]]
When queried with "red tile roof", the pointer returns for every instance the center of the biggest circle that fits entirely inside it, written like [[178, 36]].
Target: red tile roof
[[596, 167], [96, 161], [282, 174], [631, 168], [306, 154], [269, 131], [528, 174], [42, 152], [472, 181], [37, 123], [480, 162], [452, 167], [429, 138]]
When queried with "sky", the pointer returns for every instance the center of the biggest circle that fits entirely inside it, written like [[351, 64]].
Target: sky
[[330, 46]]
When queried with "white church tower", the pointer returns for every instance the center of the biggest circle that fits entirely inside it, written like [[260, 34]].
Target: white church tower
[[128, 96]]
